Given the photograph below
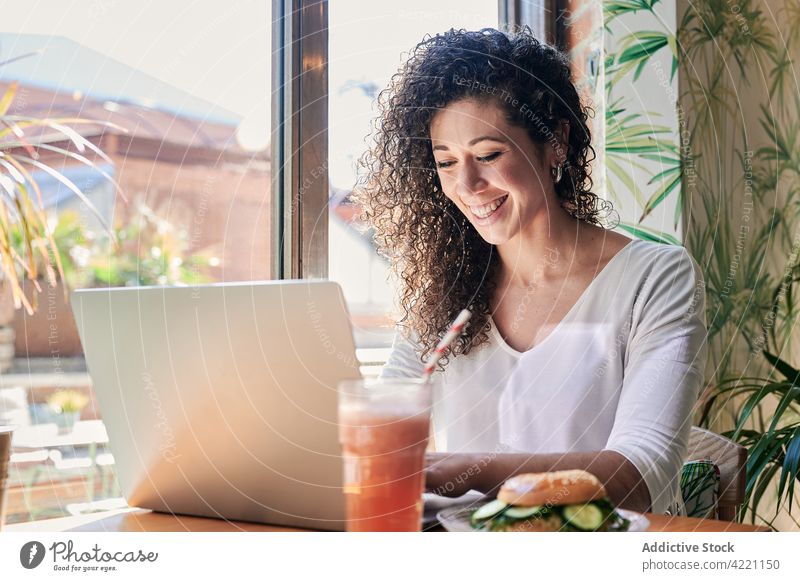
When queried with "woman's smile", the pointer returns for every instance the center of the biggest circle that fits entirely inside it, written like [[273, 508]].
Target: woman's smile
[[488, 213]]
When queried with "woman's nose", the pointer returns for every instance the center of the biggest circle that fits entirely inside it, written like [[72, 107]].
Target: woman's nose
[[471, 179]]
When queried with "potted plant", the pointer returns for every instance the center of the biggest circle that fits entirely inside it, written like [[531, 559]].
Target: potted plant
[[22, 141], [772, 440], [34, 255], [766, 407], [65, 407]]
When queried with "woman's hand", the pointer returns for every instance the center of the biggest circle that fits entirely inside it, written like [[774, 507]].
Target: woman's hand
[[453, 474]]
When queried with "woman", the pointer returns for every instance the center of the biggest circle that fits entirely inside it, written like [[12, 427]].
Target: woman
[[585, 349]]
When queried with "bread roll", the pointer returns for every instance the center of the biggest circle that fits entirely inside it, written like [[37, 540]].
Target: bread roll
[[552, 489]]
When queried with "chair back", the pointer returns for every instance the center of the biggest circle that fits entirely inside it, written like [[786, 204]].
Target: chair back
[[730, 458]]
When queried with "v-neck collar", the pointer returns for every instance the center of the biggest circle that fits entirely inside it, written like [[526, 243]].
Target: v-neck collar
[[595, 281]]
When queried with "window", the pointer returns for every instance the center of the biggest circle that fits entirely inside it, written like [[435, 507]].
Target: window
[[184, 91]]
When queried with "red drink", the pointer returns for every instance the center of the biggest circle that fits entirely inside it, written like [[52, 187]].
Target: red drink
[[384, 462]]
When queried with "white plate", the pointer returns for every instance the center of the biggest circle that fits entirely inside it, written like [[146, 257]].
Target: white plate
[[457, 519]]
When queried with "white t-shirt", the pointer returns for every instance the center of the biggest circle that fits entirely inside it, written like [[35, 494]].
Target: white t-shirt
[[622, 371]]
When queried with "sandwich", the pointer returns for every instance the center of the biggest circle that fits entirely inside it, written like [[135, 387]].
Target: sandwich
[[569, 500]]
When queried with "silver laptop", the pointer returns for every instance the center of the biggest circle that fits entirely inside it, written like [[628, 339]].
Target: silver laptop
[[220, 400]]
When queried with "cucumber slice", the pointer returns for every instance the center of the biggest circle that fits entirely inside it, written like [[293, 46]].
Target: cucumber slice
[[522, 511], [488, 510], [584, 516]]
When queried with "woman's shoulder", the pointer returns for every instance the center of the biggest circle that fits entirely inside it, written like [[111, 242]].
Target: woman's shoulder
[[636, 255], [660, 257], [651, 270], [670, 276]]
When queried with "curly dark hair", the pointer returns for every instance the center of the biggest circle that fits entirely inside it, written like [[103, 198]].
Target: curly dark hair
[[442, 263]]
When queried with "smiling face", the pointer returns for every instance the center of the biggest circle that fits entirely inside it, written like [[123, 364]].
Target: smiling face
[[492, 170]]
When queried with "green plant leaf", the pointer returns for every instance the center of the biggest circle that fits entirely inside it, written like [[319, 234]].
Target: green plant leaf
[[637, 49], [789, 372], [660, 195], [790, 470], [673, 47], [791, 396], [615, 8], [760, 485], [752, 402], [667, 173], [676, 219], [648, 234], [765, 452], [625, 177]]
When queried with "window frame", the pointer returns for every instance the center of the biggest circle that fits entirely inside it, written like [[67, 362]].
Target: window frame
[[540, 15], [300, 139]]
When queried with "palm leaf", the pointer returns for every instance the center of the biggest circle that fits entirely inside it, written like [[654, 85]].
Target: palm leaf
[[627, 139], [759, 488], [789, 372], [72, 187], [755, 400], [649, 234], [626, 177], [790, 470], [85, 161], [34, 250], [616, 8], [661, 194], [673, 47], [765, 451], [8, 98], [637, 49]]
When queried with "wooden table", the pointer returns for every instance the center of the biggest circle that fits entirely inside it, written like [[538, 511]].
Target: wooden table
[[137, 520]]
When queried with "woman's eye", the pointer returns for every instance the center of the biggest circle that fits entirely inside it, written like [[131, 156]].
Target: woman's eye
[[490, 157], [483, 159]]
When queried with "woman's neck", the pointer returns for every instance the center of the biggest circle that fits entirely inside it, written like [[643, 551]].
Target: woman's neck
[[543, 248]]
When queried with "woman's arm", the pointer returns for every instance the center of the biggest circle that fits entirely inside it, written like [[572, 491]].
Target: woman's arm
[[455, 474], [666, 358]]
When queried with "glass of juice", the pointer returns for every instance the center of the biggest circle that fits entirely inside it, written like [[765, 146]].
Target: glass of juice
[[383, 428]]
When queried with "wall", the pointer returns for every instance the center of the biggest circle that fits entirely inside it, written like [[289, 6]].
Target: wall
[[739, 92]]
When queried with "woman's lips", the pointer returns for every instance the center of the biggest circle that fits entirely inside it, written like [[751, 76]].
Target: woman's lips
[[488, 213]]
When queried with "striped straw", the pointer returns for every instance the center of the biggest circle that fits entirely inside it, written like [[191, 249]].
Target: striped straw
[[451, 335]]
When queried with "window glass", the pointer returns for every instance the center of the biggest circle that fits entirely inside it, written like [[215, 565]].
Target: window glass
[[368, 42], [178, 95]]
